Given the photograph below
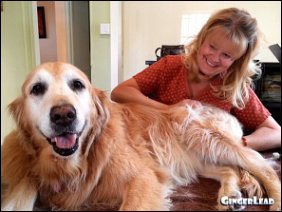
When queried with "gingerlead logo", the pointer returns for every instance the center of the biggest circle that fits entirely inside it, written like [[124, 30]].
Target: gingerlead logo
[[246, 201]]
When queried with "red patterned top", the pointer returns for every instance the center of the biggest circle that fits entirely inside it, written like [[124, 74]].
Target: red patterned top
[[167, 80]]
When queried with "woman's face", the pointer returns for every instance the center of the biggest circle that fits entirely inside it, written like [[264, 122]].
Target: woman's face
[[217, 54]]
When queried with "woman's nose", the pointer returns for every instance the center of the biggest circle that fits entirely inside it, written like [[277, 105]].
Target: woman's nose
[[215, 57]]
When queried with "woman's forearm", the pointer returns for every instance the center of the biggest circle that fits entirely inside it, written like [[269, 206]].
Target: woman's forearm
[[131, 94], [267, 136]]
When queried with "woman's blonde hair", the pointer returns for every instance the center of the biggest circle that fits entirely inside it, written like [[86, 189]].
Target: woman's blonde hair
[[240, 28]]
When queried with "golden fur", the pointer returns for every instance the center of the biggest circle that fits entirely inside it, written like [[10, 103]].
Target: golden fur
[[127, 154]]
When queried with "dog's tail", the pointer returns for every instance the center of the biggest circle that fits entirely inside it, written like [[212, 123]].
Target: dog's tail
[[249, 185]]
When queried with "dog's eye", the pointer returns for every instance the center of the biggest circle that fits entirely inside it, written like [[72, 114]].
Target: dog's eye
[[76, 85], [38, 89]]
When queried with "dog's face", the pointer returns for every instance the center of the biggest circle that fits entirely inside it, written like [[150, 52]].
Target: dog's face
[[56, 104]]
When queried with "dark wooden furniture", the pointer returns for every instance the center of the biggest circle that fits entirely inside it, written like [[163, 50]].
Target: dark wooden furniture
[[268, 88]]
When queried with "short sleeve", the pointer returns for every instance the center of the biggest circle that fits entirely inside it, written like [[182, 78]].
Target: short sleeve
[[149, 79], [253, 114]]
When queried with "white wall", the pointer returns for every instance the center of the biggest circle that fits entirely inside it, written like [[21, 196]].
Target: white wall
[[147, 25]]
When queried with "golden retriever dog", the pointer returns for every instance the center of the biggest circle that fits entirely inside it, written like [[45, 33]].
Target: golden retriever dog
[[73, 147]]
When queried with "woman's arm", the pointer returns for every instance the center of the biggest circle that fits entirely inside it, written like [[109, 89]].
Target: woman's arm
[[129, 91], [266, 136]]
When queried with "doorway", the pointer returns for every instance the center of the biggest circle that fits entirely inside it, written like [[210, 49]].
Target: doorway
[[68, 34], [80, 33]]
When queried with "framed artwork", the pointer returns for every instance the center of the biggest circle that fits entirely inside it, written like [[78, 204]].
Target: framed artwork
[[41, 22]]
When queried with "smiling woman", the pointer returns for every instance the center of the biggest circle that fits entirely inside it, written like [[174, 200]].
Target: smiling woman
[[217, 69]]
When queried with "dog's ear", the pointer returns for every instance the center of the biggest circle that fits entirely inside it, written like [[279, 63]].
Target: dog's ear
[[98, 96], [101, 95], [101, 103], [16, 109]]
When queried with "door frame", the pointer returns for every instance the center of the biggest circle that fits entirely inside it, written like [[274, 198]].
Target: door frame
[[116, 43], [35, 33]]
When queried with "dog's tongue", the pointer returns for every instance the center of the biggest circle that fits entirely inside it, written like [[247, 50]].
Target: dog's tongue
[[64, 141]]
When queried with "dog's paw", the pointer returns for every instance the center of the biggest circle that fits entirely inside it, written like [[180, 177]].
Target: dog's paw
[[230, 203]]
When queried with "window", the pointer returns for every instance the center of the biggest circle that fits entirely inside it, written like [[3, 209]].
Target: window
[[191, 25]]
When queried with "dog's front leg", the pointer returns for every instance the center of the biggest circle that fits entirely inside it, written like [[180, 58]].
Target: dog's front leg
[[145, 192], [20, 197]]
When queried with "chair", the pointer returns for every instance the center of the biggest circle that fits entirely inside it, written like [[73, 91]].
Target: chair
[[165, 50]]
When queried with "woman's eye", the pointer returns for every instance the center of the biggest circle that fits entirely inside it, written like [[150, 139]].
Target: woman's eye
[[226, 55], [38, 89], [212, 47], [76, 85]]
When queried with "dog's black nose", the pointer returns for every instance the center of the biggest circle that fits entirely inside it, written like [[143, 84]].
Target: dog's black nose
[[63, 115]]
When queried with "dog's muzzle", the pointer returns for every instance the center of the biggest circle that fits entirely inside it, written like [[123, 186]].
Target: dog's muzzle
[[63, 122]]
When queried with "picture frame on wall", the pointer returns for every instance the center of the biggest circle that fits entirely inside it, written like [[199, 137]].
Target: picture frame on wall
[[41, 22]]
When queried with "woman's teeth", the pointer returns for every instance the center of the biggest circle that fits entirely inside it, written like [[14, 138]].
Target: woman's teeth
[[210, 64]]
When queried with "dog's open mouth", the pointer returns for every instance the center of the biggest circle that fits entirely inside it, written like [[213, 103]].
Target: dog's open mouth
[[65, 144]]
